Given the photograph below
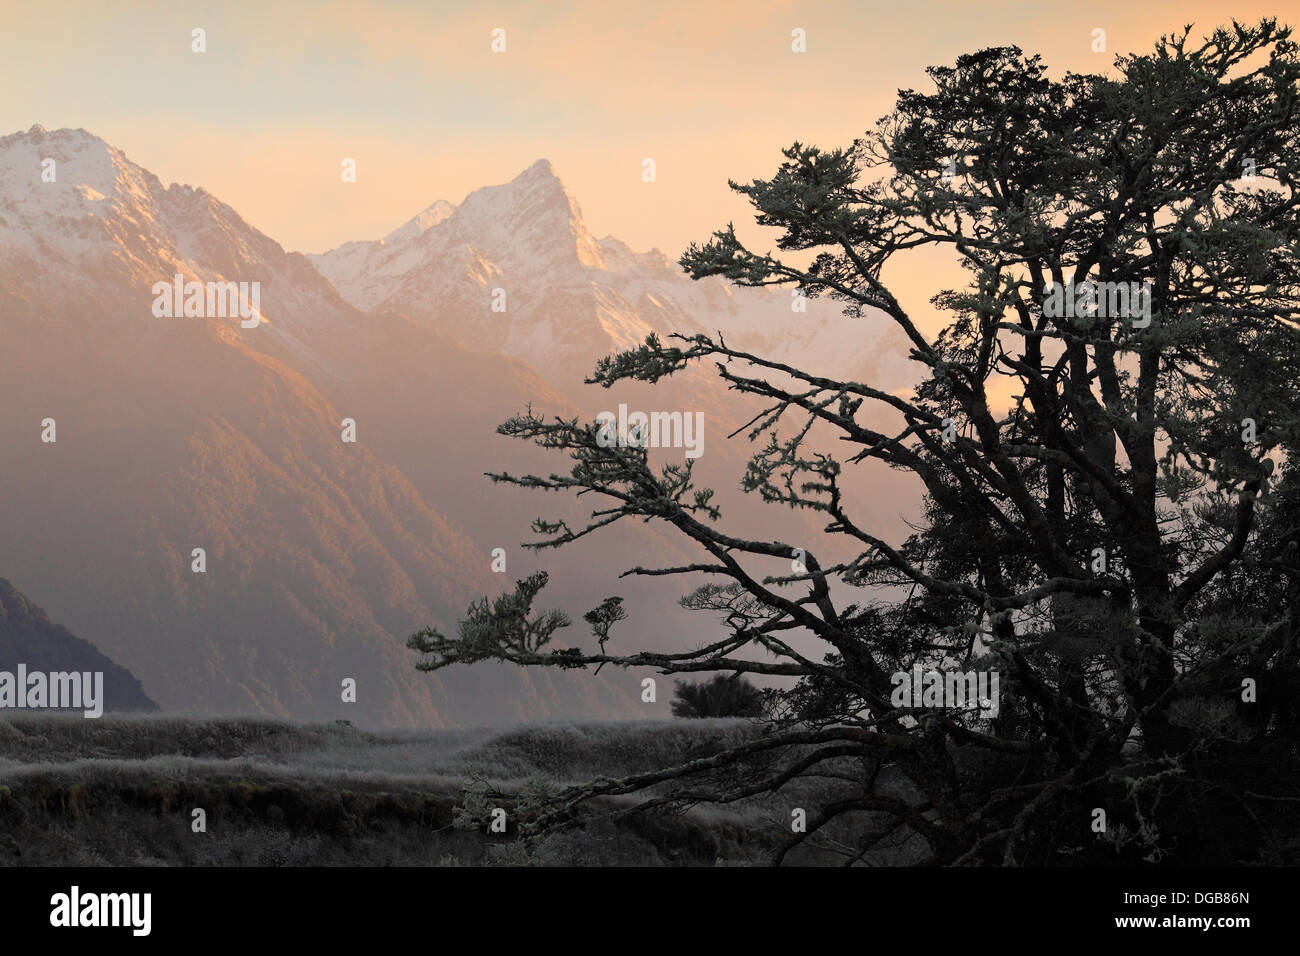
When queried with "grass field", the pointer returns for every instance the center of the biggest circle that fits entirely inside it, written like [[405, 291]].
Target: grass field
[[122, 791]]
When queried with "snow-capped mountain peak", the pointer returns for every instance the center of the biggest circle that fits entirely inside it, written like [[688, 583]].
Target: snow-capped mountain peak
[[422, 223], [50, 175], [531, 221], [514, 268], [529, 229], [78, 218]]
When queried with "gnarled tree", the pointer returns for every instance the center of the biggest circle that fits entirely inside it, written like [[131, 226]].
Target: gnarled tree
[[1110, 493]]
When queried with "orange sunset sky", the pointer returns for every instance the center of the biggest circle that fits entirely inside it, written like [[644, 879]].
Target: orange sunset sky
[[414, 94]]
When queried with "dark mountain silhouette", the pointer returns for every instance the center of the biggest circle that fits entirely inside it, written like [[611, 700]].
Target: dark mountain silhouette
[[28, 636]]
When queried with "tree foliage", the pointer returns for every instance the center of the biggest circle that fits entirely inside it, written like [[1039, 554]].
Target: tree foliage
[[719, 696], [1118, 539]]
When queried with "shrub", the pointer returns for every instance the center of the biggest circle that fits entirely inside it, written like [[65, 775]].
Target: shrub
[[720, 696]]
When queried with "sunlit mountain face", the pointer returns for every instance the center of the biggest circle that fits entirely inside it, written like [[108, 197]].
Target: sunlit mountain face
[[321, 553]]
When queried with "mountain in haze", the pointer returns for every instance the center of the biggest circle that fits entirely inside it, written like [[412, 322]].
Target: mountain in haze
[[322, 556], [181, 433], [28, 636], [571, 297]]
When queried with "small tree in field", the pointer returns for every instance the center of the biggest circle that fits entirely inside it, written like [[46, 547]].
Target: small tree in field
[[1117, 539], [719, 696]]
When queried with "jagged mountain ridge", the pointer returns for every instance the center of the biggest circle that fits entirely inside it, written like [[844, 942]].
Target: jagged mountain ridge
[[176, 433], [197, 430], [572, 297]]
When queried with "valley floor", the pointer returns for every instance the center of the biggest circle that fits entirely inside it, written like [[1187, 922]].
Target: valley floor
[[123, 791]]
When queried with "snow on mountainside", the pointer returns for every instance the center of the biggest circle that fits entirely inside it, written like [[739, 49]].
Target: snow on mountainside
[[177, 433], [425, 221], [571, 298], [104, 230]]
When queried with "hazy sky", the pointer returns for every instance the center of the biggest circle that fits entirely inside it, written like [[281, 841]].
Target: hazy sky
[[412, 91]]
